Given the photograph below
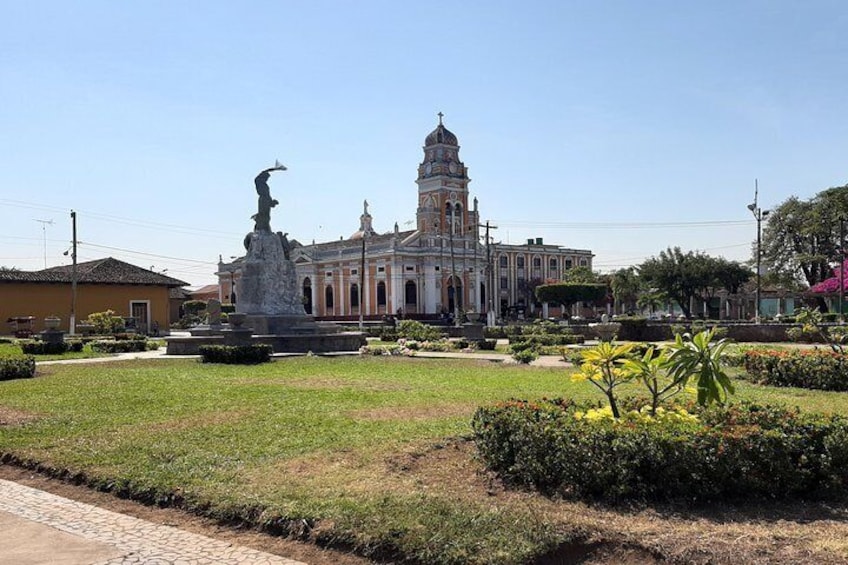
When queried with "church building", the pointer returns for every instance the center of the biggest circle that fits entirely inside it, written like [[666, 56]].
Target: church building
[[440, 267]]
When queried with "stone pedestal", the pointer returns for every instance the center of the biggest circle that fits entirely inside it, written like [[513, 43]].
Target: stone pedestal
[[52, 336], [268, 284], [473, 332], [237, 336]]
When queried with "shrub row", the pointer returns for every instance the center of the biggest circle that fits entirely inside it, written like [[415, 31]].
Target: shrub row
[[742, 451], [46, 348], [17, 367], [549, 339], [236, 354], [813, 368], [127, 346]]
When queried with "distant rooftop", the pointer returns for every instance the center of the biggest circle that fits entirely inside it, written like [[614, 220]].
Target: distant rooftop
[[101, 271]]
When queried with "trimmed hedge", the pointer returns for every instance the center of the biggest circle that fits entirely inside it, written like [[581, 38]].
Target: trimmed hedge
[[127, 346], [46, 348], [17, 368], [550, 339], [236, 354], [812, 368], [743, 451]]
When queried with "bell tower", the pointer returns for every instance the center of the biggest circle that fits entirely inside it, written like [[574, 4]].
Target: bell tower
[[443, 188]]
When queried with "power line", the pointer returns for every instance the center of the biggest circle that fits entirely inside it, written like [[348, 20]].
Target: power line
[[142, 253], [623, 225]]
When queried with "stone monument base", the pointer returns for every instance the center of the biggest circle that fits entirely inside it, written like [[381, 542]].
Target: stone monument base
[[264, 324], [291, 343]]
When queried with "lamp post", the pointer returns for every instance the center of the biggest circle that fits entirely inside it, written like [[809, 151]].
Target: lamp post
[[759, 214]]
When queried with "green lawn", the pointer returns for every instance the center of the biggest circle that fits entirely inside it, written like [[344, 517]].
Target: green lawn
[[323, 439]]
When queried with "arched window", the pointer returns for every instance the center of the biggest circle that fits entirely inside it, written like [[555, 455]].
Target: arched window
[[354, 295], [307, 295], [411, 293], [454, 294], [504, 261], [328, 297], [457, 219], [483, 295], [519, 261], [537, 262], [553, 263], [381, 293]]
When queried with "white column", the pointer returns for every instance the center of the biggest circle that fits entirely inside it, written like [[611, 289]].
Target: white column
[[430, 291], [396, 282]]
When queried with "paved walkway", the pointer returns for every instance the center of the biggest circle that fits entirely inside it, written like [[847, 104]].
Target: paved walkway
[[37, 527]]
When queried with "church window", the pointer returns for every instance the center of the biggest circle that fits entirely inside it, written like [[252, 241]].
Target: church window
[[568, 263], [328, 297], [504, 261], [381, 269], [504, 283], [584, 263], [537, 262], [519, 262], [381, 293], [553, 264], [411, 293], [354, 295]]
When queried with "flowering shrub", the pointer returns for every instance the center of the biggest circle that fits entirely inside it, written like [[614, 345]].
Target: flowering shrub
[[413, 329], [741, 451], [812, 368], [390, 350], [437, 345]]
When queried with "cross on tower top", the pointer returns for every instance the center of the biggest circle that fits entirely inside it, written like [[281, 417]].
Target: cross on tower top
[[440, 117]]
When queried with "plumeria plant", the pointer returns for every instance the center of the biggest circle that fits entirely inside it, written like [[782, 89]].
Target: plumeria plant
[[603, 367], [665, 373]]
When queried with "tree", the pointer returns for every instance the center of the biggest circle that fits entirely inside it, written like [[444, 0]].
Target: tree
[[566, 294], [580, 275], [801, 238], [625, 285], [680, 275]]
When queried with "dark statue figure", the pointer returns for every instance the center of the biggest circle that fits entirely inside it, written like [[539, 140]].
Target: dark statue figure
[[263, 215]]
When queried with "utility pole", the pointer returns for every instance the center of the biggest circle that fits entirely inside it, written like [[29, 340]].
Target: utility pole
[[453, 282], [759, 214], [490, 277], [73, 321]]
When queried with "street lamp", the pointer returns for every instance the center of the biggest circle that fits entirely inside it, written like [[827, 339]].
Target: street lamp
[[759, 214]]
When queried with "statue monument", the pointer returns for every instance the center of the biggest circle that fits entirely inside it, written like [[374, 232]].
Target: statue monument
[[268, 291], [269, 308]]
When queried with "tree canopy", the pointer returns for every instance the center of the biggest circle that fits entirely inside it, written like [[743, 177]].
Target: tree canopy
[[682, 276], [566, 294], [801, 237]]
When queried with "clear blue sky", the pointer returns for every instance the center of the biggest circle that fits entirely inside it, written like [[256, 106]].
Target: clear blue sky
[[586, 123]]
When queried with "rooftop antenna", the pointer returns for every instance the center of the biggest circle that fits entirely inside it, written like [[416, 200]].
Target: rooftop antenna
[[44, 224]]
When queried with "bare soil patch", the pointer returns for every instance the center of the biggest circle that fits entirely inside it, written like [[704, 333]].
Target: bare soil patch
[[14, 417]]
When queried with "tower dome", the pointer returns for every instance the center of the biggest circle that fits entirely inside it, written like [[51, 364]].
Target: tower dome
[[441, 135]]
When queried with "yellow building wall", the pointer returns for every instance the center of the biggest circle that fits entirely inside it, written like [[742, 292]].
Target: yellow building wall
[[42, 300]]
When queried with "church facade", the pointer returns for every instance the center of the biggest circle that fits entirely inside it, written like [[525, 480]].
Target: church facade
[[439, 268]]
